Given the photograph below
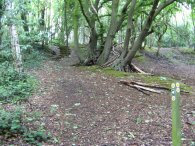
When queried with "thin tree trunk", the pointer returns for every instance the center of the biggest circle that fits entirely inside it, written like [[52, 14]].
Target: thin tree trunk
[[111, 33], [15, 43], [16, 49], [159, 46], [76, 29], [193, 23], [129, 30], [25, 22], [48, 26], [42, 23], [66, 6], [2, 9]]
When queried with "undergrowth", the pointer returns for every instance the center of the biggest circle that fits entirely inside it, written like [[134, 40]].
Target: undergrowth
[[33, 59], [14, 86], [12, 125]]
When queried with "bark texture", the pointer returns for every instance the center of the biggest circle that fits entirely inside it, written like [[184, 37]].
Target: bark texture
[[16, 49]]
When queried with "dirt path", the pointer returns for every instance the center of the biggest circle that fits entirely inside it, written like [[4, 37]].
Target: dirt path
[[85, 108]]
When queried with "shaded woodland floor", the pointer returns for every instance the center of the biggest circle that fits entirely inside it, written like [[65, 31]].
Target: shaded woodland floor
[[178, 65], [85, 108]]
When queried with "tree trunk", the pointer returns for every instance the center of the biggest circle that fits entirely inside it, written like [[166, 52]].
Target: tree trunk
[[115, 25], [2, 9], [111, 33], [1, 32], [66, 21], [91, 20], [42, 24], [159, 46], [15, 43], [76, 29], [193, 24], [16, 49], [93, 44], [129, 30], [25, 22], [63, 24], [122, 63]]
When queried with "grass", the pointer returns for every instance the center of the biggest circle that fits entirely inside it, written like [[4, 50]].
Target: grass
[[160, 80]]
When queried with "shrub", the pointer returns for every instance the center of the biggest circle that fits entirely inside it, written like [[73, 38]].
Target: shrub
[[36, 137], [14, 86], [10, 123], [34, 58], [5, 55]]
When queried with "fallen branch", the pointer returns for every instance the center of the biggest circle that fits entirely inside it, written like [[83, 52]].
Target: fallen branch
[[140, 87], [147, 87], [134, 67], [150, 86]]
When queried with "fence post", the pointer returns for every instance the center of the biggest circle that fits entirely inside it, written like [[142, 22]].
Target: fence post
[[176, 119]]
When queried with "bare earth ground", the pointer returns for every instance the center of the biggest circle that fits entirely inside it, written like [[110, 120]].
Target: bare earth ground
[[178, 67], [83, 108]]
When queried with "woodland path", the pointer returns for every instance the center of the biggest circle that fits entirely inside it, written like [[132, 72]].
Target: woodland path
[[85, 108]]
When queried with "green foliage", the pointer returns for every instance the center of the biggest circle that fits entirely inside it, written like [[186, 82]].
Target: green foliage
[[11, 124], [178, 36], [36, 137], [14, 86], [33, 58], [5, 55]]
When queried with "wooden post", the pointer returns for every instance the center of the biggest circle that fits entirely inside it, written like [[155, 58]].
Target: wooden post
[[176, 119]]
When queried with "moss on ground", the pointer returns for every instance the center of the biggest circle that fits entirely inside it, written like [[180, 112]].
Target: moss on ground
[[153, 80], [140, 57], [151, 50], [187, 51]]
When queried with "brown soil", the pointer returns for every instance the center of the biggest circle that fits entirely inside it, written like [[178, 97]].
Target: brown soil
[[83, 108]]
